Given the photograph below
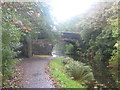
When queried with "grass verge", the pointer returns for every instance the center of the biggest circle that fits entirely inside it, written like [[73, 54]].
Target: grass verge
[[59, 74]]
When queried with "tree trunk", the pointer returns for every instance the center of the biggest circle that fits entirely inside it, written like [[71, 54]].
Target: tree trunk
[[29, 49]]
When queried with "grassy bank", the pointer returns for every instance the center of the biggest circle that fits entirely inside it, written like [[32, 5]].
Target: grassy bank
[[58, 72]]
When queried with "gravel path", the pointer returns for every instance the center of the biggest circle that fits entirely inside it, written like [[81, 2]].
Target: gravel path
[[34, 73]]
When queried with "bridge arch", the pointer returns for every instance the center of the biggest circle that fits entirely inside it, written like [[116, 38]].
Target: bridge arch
[[67, 39]]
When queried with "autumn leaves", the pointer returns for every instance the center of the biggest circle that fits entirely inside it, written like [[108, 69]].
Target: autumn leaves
[[25, 28]]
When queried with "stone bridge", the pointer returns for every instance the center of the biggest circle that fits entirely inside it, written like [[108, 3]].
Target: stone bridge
[[71, 37], [43, 47]]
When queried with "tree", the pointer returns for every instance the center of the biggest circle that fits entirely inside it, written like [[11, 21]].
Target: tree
[[21, 24], [10, 41], [97, 43]]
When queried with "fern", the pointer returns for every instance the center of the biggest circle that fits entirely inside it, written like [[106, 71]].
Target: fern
[[78, 70]]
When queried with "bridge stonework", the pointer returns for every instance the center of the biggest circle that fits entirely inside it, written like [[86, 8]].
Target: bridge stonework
[[42, 47], [71, 37]]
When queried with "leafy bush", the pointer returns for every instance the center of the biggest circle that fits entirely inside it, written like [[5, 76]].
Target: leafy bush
[[10, 43], [59, 73], [66, 60], [68, 49], [78, 70]]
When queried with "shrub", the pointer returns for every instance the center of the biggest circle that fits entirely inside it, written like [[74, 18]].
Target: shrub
[[59, 73], [66, 60], [10, 43], [79, 71]]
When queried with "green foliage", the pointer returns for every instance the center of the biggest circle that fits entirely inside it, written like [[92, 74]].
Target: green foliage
[[78, 70], [21, 24], [69, 49], [114, 65], [59, 48], [99, 31], [114, 60], [67, 60], [59, 73], [10, 43], [34, 20], [99, 47]]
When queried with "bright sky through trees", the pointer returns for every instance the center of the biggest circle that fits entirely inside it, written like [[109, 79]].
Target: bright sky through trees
[[65, 9]]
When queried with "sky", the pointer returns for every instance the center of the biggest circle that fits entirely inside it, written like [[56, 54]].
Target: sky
[[63, 10]]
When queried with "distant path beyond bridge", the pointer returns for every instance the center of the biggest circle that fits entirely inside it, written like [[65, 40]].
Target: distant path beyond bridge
[[34, 72]]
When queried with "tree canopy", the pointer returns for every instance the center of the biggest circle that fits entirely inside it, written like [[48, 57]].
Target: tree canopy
[[98, 45]]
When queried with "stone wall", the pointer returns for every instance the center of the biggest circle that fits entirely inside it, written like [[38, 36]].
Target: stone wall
[[42, 47]]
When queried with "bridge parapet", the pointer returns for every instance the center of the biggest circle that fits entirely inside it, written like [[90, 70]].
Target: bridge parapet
[[71, 37], [42, 47]]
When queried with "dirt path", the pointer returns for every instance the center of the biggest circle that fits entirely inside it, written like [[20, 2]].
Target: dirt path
[[34, 73]]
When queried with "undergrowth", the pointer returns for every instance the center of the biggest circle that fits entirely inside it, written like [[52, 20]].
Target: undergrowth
[[59, 73]]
